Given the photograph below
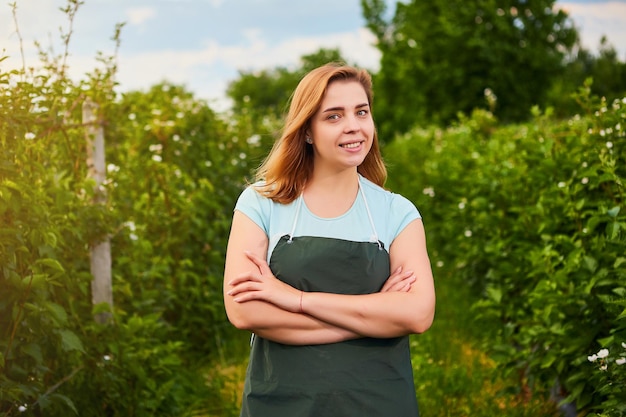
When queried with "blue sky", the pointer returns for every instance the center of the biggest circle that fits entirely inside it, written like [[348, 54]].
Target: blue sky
[[203, 43]]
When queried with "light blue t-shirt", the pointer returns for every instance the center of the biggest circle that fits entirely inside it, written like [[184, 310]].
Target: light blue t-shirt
[[390, 214]]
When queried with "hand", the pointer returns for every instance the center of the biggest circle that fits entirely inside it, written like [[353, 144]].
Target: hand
[[399, 281], [262, 285]]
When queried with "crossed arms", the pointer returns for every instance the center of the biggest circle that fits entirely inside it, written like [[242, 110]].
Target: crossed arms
[[257, 301]]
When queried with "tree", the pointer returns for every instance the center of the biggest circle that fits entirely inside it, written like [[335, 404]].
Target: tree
[[268, 91], [607, 75], [445, 57]]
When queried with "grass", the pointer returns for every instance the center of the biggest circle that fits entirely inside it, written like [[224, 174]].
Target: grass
[[453, 376]]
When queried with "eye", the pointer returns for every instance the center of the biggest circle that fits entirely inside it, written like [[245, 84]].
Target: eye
[[362, 113], [334, 116]]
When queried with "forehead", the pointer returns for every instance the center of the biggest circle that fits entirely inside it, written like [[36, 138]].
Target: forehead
[[344, 93]]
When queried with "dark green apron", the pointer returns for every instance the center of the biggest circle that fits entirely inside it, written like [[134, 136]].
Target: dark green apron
[[365, 377]]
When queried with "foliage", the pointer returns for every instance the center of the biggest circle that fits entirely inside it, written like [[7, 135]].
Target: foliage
[[445, 56], [268, 91], [175, 170], [532, 218], [528, 219], [606, 71]]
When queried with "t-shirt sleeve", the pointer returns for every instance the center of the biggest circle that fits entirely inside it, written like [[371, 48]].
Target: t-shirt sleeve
[[404, 211], [255, 206]]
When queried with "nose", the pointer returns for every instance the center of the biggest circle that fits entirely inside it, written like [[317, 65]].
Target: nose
[[352, 124]]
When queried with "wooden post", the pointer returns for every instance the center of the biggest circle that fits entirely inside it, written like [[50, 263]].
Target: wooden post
[[101, 286]]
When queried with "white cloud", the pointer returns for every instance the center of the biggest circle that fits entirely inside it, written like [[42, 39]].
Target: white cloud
[[593, 20], [139, 15], [207, 71]]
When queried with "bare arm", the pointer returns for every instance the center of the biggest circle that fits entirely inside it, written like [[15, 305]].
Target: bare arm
[[268, 320], [386, 314], [381, 315]]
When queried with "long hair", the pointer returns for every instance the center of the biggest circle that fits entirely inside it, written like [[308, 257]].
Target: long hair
[[289, 165]]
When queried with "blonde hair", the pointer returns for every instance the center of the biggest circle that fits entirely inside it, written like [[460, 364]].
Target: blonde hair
[[289, 164]]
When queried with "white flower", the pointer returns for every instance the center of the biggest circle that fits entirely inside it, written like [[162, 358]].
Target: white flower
[[132, 116], [603, 353], [592, 358], [609, 144], [620, 361], [29, 136], [22, 408], [624, 345], [106, 357], [430, 191], [254, 140], [439, 264], [585, 180], [461, 205], [468, 233], [157, 158], [561, 184], [604, 367], [156, 148]]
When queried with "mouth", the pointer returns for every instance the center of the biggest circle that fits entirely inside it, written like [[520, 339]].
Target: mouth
[[351, 145]]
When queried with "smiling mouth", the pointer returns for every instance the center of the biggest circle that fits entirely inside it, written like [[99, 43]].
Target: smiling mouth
[[351, 145]]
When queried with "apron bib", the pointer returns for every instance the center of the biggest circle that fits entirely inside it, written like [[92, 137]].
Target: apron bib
[[365, 377]]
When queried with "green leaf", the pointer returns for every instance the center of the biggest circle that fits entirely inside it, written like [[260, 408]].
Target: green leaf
[[590, 263], [70, 341], [612, 230], [614, 211], [57, 312], [65, 400], [51, 263], [495, 294], [34, 351]]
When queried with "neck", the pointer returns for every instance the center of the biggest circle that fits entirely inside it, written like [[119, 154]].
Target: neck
[[339, 182], [331, 195]]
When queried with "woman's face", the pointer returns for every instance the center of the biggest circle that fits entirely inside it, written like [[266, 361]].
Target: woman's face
[[342, 130]]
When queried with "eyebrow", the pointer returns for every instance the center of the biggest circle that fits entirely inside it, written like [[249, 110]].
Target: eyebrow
[[339, 108]]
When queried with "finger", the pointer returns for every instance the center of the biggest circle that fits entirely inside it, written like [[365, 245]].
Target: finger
[[391, 280], [255, 259], [261, 263], [245, 277], [243, 288], [247, 296], [395, 280], [401, 282]]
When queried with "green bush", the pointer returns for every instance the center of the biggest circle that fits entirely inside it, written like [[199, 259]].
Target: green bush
[[532, 217], [175, 169]]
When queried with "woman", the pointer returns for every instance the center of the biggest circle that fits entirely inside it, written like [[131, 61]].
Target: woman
[[327, 269]]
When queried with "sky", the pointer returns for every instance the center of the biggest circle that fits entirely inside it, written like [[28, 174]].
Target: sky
[[203, 44]]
